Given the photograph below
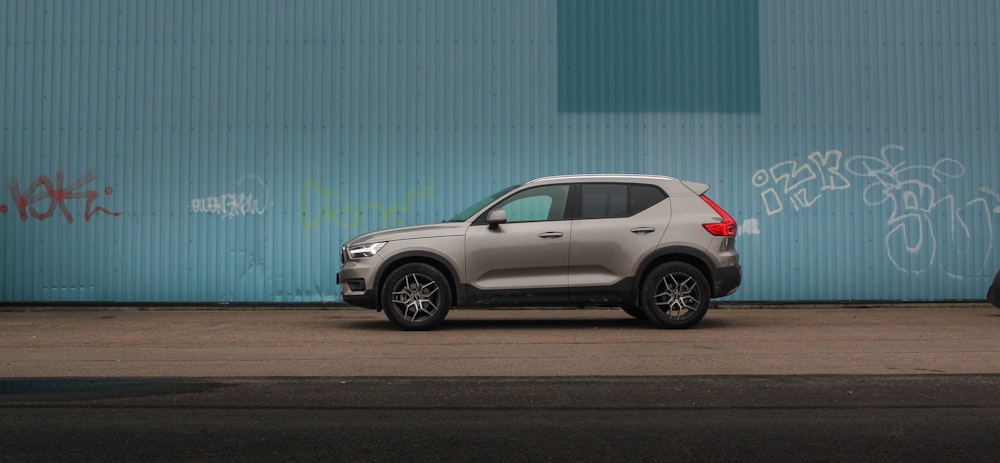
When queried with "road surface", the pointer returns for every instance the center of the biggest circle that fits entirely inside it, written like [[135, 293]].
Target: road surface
[[823, 384]]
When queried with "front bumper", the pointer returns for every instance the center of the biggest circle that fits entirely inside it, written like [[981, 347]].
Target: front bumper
[[356, 291]]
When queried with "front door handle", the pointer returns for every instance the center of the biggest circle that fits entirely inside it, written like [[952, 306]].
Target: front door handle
[[548, 235], [643, 230]]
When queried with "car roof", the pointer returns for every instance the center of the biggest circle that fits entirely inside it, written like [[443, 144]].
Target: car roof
[[670, 184], [599, 177]]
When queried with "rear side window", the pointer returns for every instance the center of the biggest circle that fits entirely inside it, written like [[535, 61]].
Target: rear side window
[[642, 197], [614, 200]]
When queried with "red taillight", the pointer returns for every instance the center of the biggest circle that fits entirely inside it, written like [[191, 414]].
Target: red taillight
[[726, 228]]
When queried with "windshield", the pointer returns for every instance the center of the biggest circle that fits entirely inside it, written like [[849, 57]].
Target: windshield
[[467, 213]]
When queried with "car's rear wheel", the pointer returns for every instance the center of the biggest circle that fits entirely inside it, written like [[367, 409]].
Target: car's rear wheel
[[416, 297], [675, 295]]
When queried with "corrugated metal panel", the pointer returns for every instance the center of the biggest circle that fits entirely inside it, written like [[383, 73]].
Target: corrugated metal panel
[[853, 81], [231, 146]]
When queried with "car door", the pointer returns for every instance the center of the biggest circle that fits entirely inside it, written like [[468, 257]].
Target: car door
[[524, 260], [618, 225]]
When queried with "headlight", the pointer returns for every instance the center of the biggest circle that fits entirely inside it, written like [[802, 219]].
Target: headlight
[[362, 251]]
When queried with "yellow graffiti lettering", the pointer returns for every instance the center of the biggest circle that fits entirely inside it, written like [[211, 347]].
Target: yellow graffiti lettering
[[319, 204]]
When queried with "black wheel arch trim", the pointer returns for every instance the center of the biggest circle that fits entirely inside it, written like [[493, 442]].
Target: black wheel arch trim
[[458, 291], [691, 255]]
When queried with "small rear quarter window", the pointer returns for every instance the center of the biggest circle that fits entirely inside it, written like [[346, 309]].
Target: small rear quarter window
[[642, 197]]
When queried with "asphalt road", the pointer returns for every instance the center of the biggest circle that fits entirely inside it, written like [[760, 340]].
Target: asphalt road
[[822, 384], [680, 418], [961, 339]]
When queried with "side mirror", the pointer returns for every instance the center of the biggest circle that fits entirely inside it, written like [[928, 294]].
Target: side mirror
[[496, 218]]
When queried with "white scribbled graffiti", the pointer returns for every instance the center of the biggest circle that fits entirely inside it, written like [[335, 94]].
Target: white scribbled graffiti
[[995, 195], [798, 183], [919, 198], [929, 228], [229, 205]]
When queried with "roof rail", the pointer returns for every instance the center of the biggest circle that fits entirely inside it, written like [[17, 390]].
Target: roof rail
[[580, 176]]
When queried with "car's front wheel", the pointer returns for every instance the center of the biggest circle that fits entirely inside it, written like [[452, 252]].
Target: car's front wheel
[[416, 297], [675, 295]]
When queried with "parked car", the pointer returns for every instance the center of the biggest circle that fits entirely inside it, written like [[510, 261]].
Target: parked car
[[655, 246], [993, 295]]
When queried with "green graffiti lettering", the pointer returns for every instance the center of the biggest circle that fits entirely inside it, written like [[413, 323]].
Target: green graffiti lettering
[[319, 203]]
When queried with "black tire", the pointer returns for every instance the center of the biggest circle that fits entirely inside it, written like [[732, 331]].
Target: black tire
[[993, 295], [416, 297], [675, 295], [635, 312]]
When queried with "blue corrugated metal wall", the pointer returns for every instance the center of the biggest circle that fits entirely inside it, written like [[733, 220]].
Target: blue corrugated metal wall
[[193, 150]]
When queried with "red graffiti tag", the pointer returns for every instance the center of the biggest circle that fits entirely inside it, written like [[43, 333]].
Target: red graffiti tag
[[57, 195]]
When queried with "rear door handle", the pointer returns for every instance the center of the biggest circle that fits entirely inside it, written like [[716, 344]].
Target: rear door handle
[[550, 235], [643, 230]]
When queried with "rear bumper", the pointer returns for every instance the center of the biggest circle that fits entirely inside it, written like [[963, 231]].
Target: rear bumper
[[727, 281]]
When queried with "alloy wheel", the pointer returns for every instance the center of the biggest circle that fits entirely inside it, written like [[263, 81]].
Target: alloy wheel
[[417, 297]]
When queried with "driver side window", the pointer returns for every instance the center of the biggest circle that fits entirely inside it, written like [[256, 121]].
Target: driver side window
[[536, 204]]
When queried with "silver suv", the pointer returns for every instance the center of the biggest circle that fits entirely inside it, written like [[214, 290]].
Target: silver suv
[[655, 246]]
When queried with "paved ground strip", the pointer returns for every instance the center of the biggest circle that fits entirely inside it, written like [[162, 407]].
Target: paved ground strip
[[519, 343]]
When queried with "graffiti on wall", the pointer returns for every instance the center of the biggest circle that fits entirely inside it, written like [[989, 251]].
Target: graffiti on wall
[[995, 195], [918, 199], [748, 227], [46, 198], [230, 205], [928, 226], [320, 203], [801, 185]]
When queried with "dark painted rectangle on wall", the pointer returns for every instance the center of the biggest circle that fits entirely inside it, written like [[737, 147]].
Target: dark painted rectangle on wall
[[659, 56]]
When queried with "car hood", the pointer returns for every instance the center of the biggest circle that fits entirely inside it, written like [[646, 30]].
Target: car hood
[[409, 233]]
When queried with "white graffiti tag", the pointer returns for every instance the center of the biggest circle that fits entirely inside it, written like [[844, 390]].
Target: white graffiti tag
[[929, 228], [918, 197], [995, 195], [234, 204], [798, 183]]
